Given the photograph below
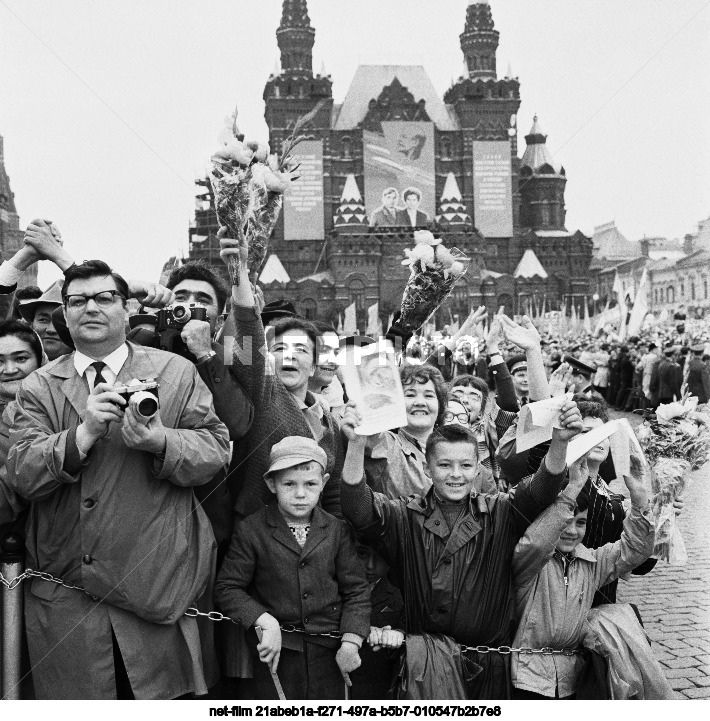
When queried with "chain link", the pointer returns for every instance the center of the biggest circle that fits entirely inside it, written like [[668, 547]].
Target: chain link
[[216, 616]]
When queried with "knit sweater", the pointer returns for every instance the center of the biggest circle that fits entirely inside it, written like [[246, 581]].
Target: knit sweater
[[277, 414]]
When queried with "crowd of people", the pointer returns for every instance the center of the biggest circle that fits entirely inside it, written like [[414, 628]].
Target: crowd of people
[[241, 539]]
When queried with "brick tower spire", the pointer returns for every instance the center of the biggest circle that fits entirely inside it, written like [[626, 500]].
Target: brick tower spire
[[7, 197], [295, 37], [542, 184], [479, 40]]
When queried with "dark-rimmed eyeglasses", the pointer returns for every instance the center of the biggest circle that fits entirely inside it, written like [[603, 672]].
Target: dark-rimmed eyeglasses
[[449, 417], [104, 299]]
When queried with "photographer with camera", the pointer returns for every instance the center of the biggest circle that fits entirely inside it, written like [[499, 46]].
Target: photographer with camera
[[196, 287], [113, 510]]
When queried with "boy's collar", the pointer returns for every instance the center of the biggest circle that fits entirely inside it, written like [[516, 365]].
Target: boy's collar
[[426, 504], [274, 516], [580, 552]]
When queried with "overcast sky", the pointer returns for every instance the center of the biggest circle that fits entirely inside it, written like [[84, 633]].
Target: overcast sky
[[109, 110]]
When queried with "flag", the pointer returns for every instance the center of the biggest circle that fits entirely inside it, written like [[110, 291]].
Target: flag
[[390, 320], [340, 324], [350, 323], [603, 319], [638, 312], [618, 288], [373, 321], [587, 319]]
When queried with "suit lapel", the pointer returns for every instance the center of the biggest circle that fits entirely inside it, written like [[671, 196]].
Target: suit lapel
[[318, 532], [281, 532]]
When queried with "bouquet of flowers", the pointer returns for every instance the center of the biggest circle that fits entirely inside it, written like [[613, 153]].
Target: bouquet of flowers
[[248, 183], [676, 443], [434, 273]]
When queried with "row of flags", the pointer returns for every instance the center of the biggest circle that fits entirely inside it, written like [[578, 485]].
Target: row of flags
[[628, 315], [347, 322]]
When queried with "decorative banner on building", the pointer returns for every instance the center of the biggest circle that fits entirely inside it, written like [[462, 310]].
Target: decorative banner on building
[[303, 201], [400, 185], [492, 188]]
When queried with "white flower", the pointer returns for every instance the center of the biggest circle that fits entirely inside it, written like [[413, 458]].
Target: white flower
[[239, 152], [457, 268], [443, 255], [667, 411], [425, 237], [275, 182], [262, 152], [273, 162]]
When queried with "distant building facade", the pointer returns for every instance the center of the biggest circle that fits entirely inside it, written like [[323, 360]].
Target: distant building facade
[[395, 156]]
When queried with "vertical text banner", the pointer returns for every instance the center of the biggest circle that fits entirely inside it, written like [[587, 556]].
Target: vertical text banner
[[399, 174], [492, 188], [303, 201]]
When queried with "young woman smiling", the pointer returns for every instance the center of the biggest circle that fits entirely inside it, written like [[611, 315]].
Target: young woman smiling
[[20, 354]]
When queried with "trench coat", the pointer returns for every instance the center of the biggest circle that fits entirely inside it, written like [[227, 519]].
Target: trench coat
[[122, 524]]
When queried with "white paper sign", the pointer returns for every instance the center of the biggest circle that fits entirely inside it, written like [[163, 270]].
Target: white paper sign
[[536, 421], [372, 381]]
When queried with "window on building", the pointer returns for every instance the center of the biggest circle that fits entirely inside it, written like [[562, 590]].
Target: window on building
[[347, 145], [692, 290], [670, 295], [705, 287], [545, 212], [309, 308], [682, 289], [445, 148], [356, 291]]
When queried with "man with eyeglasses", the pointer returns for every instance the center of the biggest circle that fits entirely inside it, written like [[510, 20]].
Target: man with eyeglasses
[[113, 510]]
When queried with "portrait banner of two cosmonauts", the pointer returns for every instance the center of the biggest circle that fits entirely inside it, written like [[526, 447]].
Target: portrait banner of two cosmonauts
[[400, 189]]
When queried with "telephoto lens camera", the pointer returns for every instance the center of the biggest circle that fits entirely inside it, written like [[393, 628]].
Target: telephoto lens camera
[[142, 396]]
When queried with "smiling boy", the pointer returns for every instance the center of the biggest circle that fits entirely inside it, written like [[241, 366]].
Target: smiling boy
[[452, 547], [556, 577]]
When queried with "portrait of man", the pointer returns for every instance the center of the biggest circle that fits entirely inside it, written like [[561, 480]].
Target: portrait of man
[[386, 214], [411, 144], [411, 215]]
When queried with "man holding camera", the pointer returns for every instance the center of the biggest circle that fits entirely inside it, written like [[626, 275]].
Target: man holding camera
[[194, 284], [113, 510]]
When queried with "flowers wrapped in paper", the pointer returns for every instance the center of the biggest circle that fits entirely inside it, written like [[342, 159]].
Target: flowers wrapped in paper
[[676, 443], [248, 183], [434, 273]]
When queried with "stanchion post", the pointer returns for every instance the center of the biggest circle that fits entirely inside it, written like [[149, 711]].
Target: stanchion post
[[12, 562]]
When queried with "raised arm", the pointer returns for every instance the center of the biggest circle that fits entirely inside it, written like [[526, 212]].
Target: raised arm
[[537, 545], [526, 337], [533, 495], [637, 538]]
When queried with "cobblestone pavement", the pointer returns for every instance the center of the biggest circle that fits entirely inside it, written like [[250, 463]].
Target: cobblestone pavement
[[675, 601]]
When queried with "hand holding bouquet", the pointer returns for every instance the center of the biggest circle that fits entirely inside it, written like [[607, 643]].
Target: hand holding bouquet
[[434, 273], [676, 443], [248, 184]]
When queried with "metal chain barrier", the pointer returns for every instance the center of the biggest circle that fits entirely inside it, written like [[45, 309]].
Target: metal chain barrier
[[216, 616]]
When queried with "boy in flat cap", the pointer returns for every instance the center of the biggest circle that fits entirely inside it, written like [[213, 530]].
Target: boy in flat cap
[[292, 564]]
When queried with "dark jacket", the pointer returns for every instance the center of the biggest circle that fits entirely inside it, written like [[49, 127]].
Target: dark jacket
[[668, 381], [699, 380], [403, 219], [457, 584], [320, 587], [234, 408], [276, 416]]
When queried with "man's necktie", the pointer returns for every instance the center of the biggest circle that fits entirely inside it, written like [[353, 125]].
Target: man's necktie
[[98, 367]]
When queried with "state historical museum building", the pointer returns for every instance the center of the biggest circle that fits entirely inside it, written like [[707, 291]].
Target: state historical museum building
[[394, 156]]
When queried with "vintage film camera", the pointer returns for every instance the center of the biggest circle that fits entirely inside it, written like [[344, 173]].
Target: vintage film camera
[[142, 396], [165, 327]]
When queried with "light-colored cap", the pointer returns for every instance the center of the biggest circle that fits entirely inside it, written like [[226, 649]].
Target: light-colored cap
[[291, 451], [53, 296]]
